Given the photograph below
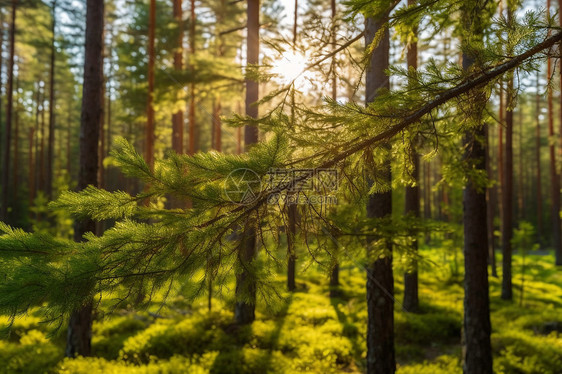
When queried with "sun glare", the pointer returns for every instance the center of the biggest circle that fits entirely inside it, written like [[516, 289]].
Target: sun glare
[[291, 67]]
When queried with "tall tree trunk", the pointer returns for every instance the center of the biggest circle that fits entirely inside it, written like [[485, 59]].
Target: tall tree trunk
[[507, 184], [477, 327], [380, 280], [538, 159], [507, 195], [8, 127], [80, 325], [42, 147], [412, 200], [335, 273], [177, 117], [292, 208], [68, 136], [191, 111], [427, 197], [31, 166], [15, 177], [521, 188], [490, 204], [149, 148], [51, 143], [244, 312], [558, 247], [554, 177]]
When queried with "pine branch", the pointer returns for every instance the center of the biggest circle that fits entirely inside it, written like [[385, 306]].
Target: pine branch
[[475, 81]]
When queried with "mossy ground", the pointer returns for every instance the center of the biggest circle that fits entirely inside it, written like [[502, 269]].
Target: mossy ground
[[309, 332]]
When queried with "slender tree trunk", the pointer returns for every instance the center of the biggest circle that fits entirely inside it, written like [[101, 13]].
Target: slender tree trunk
[[490, 203], [427, 197], [538, 159], [68, 136], [501, 164], [31, 166], [507, 195], [244, 312], [80, 324], [554, 177], [177, 117], [191, 111], [380, 280], [15, 177], [42, 148], [291, 208], [521, 188], [217, 132], [8, 127], [335, 273], [477, 327], [412, 201], [149, 148], [51, 142]]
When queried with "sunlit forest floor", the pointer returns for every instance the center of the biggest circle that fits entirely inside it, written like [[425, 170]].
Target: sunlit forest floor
[[309, 332]]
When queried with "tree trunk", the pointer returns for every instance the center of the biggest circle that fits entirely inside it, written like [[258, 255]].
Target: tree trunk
[[244, 312], [477, 327], [177, 117], [507, 196], [80, 324], [380, 281], [31, 167], [335, 273], [490, 204], [15, 177], [8, 127], [538, 159], [191, 111], [291, 208], [51, 142], [149, 148], [427, 197], [554, 177], [412, 201]]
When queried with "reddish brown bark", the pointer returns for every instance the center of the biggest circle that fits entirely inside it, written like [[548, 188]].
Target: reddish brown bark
[[380, 279], [244, 311], [149, 138], [80, 324], [177, 117], [9, 108]]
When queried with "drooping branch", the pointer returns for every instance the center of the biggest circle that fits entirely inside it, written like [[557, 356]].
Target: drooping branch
[[476, 80]]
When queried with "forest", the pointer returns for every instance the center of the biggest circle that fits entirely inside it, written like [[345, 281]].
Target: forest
[[280, 186]]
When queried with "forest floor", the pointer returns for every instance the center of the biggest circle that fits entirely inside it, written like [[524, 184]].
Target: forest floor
[[307, 332]]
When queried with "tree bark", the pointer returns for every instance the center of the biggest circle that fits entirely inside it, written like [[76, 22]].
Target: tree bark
[[177, 117], [477, 327], [244, 312], [149, 148], [80, 325], [191, 111], [538, 160], [335, 273], [490, 204], [554, 177], [507, 196], [31, 166], [51, 142], [412, 201], [8, 128], [380, 280]]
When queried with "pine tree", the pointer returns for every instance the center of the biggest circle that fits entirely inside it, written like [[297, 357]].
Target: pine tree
[[80, 324]]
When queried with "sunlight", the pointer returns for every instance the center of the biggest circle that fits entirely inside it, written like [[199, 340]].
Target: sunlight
[[291, 67]]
